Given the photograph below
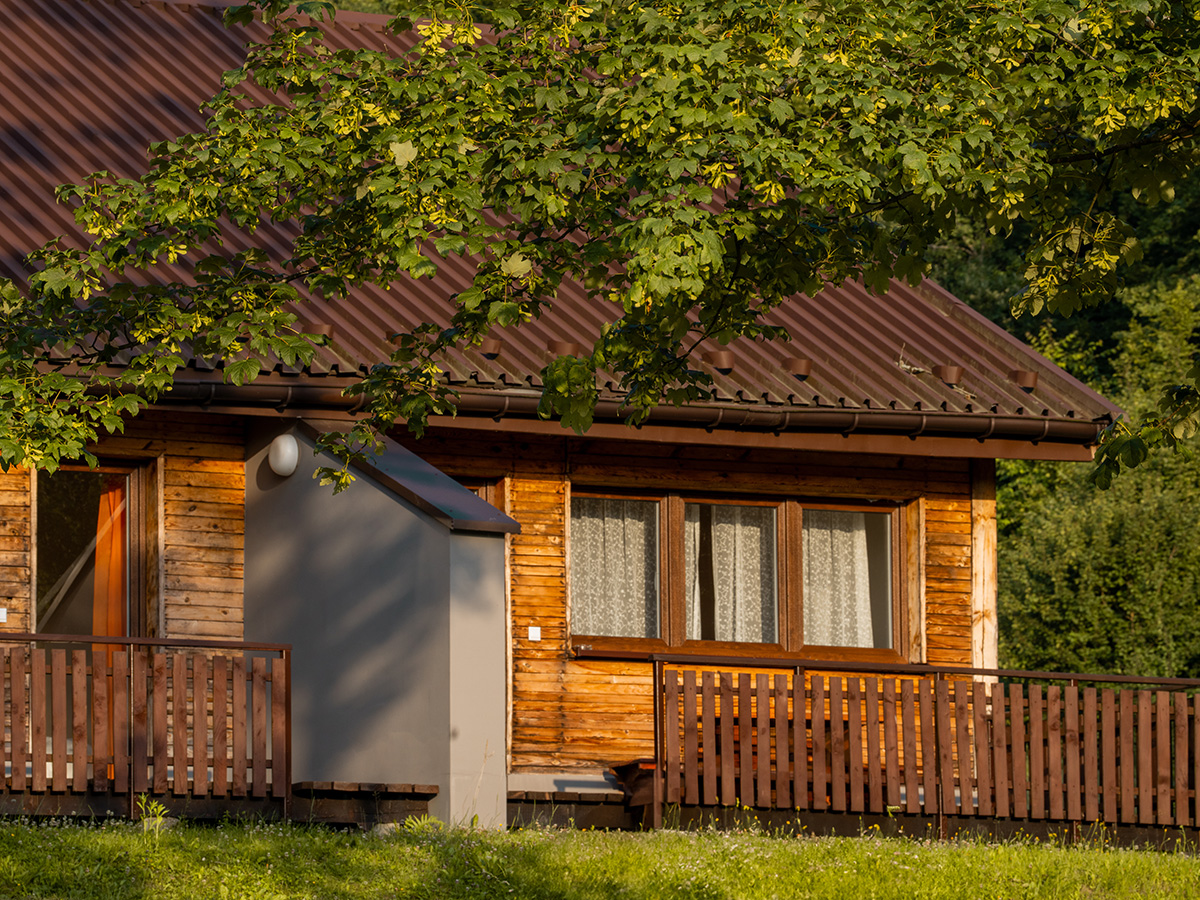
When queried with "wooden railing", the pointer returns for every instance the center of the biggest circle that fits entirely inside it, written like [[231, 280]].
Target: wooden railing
[[925, 741], [182, 721]]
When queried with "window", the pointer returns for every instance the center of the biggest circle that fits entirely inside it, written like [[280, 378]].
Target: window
[[814, 578], [88, 554]]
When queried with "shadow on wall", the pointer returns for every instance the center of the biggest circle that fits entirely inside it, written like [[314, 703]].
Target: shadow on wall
[[359, 584]]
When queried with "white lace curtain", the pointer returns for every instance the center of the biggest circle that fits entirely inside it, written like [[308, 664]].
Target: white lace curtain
[[614, 567], [742, 590], [837, 579]]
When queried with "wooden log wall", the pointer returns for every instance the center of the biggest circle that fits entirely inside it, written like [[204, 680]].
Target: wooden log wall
[[568, 712], [15, 546], [192, 469]]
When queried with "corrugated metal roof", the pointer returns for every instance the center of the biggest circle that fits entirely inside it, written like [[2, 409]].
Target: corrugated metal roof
[[88, 85]]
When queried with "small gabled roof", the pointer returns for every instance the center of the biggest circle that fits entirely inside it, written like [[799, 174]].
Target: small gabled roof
[[88, 85]]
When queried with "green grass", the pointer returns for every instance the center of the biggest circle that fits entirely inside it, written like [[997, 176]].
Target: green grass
[[271, 861]]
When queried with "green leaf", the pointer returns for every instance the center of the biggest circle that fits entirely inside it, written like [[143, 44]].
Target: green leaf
[[403, 153]]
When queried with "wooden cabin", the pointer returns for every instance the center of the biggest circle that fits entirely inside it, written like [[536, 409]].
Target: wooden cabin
[[782, 597]]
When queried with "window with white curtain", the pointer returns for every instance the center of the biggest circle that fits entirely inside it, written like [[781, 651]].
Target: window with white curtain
[[730, 572], [783, 573], [847, 578], [614, 567]]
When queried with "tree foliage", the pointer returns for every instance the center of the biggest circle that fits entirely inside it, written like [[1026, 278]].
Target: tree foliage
[[695, 162], [1110, 581]]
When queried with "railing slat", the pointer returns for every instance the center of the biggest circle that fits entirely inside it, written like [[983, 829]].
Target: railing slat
[[199, 728], [837, 745], [890, 749], [101, 730], [909, 729], [1162, 757], [820, 752], [239, 727], [1182, 818], [783, 770], [708, 733], [962, 733], [1145, 758], [929, 752], [220, 677], [1071, 730], [121, 723], [982, 748], [1108, 753], [1091, 758], [1000, 750], [799, 741], [945, 749], [1054, 750], [671, 726], [708, 736], [20, 749], [58, 719], [1037, 754], [158, 693], [179, 712], [854, 742], [745, 720], [79, 721], [1196, 759], [1126, 761], [874, 771], [37, 715], [258, 726], [728, 747], [762, 734], [279, 751], [691, 751], [1020, 777]]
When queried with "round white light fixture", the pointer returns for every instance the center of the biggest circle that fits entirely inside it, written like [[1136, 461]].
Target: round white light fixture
[[284, 455]]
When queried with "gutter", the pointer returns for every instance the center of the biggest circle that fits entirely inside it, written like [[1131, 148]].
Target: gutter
[[524, 405]]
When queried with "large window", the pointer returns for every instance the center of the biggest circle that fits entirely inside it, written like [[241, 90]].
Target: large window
[[707, 574]]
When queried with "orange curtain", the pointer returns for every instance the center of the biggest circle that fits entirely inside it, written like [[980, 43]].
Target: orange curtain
[[110, 591]]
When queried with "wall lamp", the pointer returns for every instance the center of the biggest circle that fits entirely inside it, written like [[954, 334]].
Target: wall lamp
[[284, 455]]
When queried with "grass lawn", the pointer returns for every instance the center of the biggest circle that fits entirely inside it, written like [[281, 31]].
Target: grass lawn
[[267, 861]]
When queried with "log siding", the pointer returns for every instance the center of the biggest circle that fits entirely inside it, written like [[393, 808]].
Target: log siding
[[194, 485], [593, 713]]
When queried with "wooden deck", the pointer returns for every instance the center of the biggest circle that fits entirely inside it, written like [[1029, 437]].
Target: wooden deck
[[200, 726], [928, 742]]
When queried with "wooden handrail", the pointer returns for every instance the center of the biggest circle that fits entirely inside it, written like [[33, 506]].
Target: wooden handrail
[[826, 665], [24, 637]]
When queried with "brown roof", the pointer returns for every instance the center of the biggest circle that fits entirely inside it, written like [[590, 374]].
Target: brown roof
[[88, 85]]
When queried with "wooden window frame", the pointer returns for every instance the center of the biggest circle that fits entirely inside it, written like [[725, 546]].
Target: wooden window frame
[[141, 492], [789, 579]]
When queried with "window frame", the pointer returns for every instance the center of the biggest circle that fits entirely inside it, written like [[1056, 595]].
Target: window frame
[[140, 491], [789, 578]]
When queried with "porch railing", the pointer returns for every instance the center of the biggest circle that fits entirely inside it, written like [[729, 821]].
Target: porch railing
[[186, 722], [928, 741]]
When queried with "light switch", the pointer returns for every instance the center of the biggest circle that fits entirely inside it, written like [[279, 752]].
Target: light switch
[[3, 614], [535, 632]]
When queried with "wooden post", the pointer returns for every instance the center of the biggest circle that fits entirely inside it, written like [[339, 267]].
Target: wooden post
[[659, 758]]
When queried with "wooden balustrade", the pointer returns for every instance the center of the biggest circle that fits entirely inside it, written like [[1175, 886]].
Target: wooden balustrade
[[934, 743], [182, 721]]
